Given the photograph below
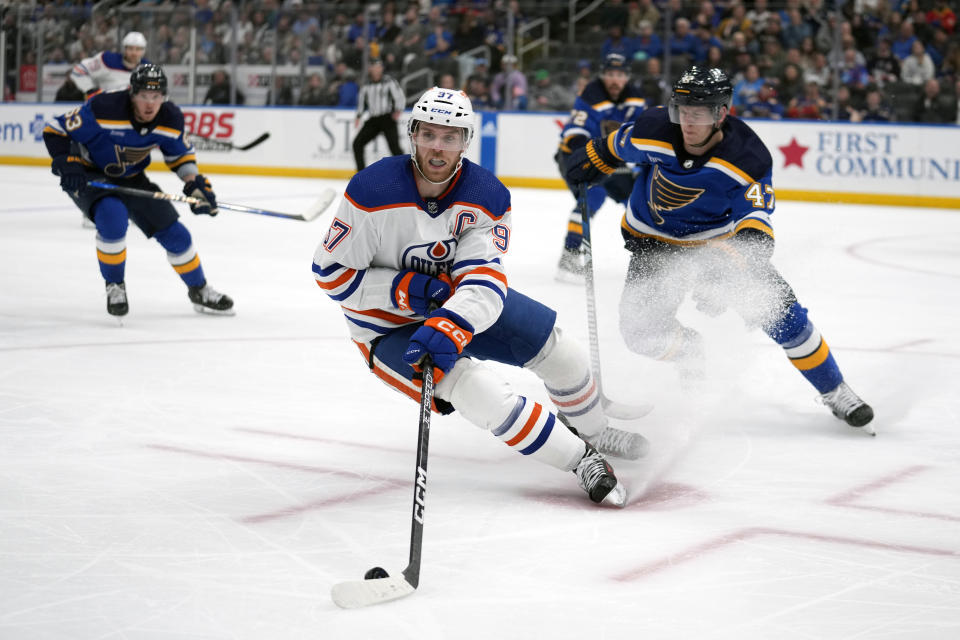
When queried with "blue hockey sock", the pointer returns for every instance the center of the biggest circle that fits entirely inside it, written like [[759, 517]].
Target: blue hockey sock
[[181, 254], [110, 218], [807, 349]]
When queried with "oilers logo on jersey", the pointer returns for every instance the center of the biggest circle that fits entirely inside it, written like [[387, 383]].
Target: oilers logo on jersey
[[432, 258]]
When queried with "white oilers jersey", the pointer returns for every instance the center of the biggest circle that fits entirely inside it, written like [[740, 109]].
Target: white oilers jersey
[[104, 71], [383, 226]]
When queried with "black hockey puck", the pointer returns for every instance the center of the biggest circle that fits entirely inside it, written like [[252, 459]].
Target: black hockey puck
[[376, 572]]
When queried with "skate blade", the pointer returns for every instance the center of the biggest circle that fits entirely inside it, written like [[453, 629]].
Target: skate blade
[[617, 496], [199, 308]]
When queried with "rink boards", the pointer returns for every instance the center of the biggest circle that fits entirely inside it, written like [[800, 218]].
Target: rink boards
[[879, 163]]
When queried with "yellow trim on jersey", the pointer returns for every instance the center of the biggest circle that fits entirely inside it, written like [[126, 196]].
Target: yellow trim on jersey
[[813, 360], [603, 104], [753, 223], [167, 131], [612, 147], [635, 101], [190, 157], [649, 144], [114, 124], [726, 165]]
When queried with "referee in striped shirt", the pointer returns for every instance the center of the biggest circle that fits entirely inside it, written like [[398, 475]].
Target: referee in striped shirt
[[383, 100]]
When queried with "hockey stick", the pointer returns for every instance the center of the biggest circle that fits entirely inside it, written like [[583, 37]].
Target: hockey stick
[[362, 593], [613, 409], [318, 207], [229, 146]]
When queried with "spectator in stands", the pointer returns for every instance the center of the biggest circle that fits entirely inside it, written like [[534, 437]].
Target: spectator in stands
[[647, 42], [820, 72], [707, 17], [844, 107], [937, 49], [469, 34], [902, 46], [547, 95], [683, 42], [315, 93], [343, 89], [612, 12], [918, 67], [284, 92], [644, 11], [854, 74], [884, 67], [934, 107], [875, 109], [481, 72], [478, 90], [759, 15], [790, 83], [439, 43], [735, 22], [219, 91], [652, 83], [796, 30], [705, 40], [808, 106], [413, 33], [508, 90], [942, 16], [765, 104], [447, 81], [616, 42], [746, 88], [714, 58]]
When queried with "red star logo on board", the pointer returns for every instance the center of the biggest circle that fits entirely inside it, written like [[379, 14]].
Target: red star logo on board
[[793, 153]]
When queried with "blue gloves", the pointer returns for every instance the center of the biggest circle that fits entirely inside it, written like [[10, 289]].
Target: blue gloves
[[412, 291], [591, 162], [200, 189], [73, 177], [444, 336]]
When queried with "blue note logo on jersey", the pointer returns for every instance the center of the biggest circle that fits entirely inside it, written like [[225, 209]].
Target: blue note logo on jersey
[[666, 195], [432, 258]]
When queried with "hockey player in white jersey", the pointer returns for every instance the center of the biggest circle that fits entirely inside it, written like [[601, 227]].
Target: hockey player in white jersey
[[414, 256], [109, 70]]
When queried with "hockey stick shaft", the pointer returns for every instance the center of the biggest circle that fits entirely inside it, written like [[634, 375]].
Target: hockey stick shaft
[[176, 197], [611, 408], [233, 147], [589, 283], [412, 572]]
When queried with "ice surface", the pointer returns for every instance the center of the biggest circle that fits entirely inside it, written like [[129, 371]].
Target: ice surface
[[188, 476]]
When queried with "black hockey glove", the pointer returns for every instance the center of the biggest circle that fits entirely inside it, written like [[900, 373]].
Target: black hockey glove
[[591, 162], [73, 177], [200, 189]]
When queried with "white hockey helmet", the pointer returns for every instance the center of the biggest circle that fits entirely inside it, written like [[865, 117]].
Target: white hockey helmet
[[134, 39], [448, 107]]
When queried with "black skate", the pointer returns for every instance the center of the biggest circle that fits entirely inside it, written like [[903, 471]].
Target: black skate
[[596, 477], [206, 299], [848, 406], [117, 299]]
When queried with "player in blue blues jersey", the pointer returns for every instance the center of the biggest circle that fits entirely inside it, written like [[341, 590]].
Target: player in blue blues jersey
[[414, 257], [109, 139], [604, 104], [699, 220]]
